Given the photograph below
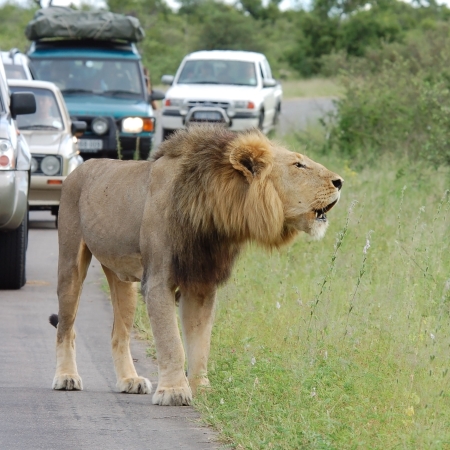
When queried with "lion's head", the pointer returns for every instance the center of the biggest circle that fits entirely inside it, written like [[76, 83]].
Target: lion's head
[[231, 188]]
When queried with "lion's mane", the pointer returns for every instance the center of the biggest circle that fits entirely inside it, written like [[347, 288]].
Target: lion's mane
[[222, 197]]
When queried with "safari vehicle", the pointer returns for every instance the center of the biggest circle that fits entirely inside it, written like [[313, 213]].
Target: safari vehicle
[[235, 88], [17, 65], [93, 59], [15, 162], [51, 136]]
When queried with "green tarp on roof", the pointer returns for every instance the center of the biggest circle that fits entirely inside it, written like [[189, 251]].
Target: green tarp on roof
[[61, 22]]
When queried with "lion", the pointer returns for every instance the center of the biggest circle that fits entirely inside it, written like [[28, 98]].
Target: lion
[[177, 223]]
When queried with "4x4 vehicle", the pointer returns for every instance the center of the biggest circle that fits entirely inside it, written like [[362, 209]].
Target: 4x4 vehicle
[[235, 88], [99, 71], [51, 137], [17, 65], [15, 162]]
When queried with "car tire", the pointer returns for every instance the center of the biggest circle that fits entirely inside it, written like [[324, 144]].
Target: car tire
[[13, 247], [261, 121], [276, 116], [166, 134]]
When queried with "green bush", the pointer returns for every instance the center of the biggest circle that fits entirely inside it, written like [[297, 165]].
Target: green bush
[[397, 102]]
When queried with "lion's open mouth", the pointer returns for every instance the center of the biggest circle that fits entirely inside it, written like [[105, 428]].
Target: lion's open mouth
[[321, 213]]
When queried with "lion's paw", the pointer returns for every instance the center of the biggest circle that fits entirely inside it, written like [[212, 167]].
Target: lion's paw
[[172, 396], [67, 382], [198, 383], [137, 385]]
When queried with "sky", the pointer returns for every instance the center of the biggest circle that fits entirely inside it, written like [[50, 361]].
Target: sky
[[285, 4]]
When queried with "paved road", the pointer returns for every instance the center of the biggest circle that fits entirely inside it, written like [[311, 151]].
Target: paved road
[[32, 415]]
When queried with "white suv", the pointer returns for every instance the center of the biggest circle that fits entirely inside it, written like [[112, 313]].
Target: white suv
[[17, 65], [235, 88]]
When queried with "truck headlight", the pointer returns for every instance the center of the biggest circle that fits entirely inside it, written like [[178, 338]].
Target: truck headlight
[[243, 104], [100, 125], [51, 165], [132, 125], [177, 102], [7, 159]]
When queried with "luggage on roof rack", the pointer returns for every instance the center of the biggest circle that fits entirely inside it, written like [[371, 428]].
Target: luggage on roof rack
[[62, 22]]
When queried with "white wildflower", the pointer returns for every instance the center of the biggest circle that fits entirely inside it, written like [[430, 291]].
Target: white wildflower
[[253, 361], [278, 305], [313, 392], [367, 246], [230, 379], [222, 401], [432, 336]]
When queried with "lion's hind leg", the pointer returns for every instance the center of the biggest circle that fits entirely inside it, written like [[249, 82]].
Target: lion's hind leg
[[124, 299], [74, 262]]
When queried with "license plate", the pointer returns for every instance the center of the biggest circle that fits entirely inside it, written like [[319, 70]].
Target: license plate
[[207, 115], [90, 145]]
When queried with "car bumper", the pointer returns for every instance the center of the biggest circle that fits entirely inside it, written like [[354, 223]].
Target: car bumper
[[173, 122], [13, 198], [45, 191]]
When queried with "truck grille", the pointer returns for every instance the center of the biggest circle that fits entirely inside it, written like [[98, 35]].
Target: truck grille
[[206, 104]]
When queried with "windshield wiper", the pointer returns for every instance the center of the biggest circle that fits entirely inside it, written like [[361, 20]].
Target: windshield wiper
[[120, 92], [38, 127], [76, 91]]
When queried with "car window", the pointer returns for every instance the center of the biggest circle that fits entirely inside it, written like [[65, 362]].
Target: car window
[[47, 115], [104, 77], [218, 72], [15, 72]]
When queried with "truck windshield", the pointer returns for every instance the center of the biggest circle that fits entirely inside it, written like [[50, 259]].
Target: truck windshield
[[208, 71], [47, 115], [95, 76]]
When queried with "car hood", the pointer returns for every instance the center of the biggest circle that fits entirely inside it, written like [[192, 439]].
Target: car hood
[[43, 142], [97, 105], [213, 92]]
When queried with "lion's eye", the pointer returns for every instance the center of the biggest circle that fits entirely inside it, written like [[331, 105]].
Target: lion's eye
[[299, 165]]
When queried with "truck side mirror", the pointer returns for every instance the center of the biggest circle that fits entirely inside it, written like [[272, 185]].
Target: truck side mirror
[[167, 79], [22, 103], [156, 95], [269, 82], [78, 127]]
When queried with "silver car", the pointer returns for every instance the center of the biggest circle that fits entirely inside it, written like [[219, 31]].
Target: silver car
[[51, 136], [14, 174], [17, 65]]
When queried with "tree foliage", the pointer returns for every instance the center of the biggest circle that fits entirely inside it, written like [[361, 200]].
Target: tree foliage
[[295, 41]]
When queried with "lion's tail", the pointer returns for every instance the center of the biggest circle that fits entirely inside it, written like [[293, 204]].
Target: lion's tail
[[54, 319]]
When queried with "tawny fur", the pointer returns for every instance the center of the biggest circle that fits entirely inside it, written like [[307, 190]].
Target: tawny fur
[[177, 224]]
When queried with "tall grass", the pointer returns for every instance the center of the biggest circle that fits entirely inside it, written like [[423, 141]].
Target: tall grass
[[342, 343]]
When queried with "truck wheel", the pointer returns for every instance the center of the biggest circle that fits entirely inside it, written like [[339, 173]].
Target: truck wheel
[[166, 134], [276, 117], [13, 247], [261, 121]]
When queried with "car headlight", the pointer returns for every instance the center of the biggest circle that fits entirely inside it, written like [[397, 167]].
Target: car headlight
[[7, 159], [51, 165], [132, 125], [34, 165], [100, 125], [244, 104], [177, 102]]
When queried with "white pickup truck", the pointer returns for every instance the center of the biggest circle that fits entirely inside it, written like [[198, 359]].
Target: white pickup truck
[[235, 88]]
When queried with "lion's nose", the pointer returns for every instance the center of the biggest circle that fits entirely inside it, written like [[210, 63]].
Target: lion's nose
[[338, 183]]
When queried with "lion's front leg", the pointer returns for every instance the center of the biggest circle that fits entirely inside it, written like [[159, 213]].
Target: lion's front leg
[[173, 387], [197, 313], [124, 298]]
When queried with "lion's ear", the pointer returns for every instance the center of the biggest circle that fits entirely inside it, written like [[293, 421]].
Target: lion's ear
[[251, 155]]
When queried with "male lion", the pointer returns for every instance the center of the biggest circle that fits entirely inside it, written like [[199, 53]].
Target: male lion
[[177, 223]]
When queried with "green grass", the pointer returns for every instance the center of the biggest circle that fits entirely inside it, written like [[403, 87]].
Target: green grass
[[335, 344], [342, 343]]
